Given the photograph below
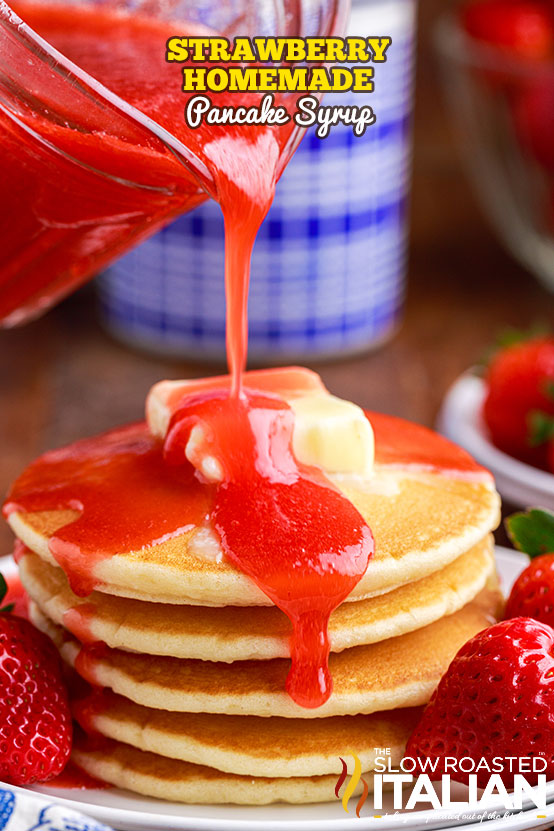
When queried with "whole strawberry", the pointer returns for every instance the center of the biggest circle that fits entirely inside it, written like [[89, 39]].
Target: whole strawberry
[[495, 700], [532, 594], [520, 384], [522, 28], [35, 722]]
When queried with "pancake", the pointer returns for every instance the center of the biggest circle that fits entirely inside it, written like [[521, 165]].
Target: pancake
[[249, 633], [153, 775], [421, 523], [399, 672], [249, 745]]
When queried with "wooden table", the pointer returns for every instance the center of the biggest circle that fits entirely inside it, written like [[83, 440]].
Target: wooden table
[[62, 377]]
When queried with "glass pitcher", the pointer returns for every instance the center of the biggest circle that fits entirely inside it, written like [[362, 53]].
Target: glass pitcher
[[75, 190]]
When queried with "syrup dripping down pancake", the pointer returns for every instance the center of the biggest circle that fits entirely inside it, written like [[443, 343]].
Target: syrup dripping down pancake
[[398, 672], [249, 633]]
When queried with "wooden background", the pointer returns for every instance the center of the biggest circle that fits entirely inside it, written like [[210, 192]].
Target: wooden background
[[62, 377]]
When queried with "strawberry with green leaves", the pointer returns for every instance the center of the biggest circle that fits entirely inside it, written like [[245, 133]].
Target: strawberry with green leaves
[[520, 392], [532, 594], [35, 721], [496, 699]]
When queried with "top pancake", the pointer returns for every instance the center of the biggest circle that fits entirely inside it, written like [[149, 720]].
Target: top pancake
[[421, 522]]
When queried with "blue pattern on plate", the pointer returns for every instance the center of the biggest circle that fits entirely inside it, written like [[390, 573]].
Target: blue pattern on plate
[[22, 810], [52, 818], [7, 802]]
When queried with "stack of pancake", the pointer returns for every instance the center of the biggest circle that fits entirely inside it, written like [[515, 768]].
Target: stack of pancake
[[188, 659]]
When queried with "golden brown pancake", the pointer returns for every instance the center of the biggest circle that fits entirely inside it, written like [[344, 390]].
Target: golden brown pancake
[[235, 633], [152, 775], [399, 672], [248, 745], [420, 524]]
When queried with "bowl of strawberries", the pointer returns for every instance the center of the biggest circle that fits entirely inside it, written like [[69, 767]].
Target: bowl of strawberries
[[503, 414], [498, 64]]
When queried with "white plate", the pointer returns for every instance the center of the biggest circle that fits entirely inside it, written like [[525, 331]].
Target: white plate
[[460, 420], [129, 812]]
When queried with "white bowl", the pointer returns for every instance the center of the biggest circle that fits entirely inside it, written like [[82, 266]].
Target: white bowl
[[460, 419]]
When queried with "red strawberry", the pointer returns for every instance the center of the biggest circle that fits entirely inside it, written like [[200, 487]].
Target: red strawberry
[[520, 381], [524, 28], [532, 594], [550, 455], [533, 112], [35, 722], [496, 699]]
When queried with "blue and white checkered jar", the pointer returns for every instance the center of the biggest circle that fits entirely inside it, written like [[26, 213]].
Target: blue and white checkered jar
[[328, 268]]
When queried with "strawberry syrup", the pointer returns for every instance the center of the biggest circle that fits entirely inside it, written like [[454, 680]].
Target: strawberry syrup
[[403, 444], [126, 496], [68, 222]]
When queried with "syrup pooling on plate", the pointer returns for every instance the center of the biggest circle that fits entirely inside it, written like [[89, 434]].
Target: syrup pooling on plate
[[74, 778], [280, 522]]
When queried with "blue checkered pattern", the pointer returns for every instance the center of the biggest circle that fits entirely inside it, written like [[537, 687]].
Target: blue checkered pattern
[[329, 261]]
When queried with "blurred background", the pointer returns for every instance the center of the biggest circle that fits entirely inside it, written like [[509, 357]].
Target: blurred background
[[65, 376]]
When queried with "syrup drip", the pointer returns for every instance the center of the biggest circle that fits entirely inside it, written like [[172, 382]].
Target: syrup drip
[[87, 705], [279, 521], [87, 659], [78, 620]]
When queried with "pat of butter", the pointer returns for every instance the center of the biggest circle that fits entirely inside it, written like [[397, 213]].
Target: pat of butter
[[332, 434], [329, 432]]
